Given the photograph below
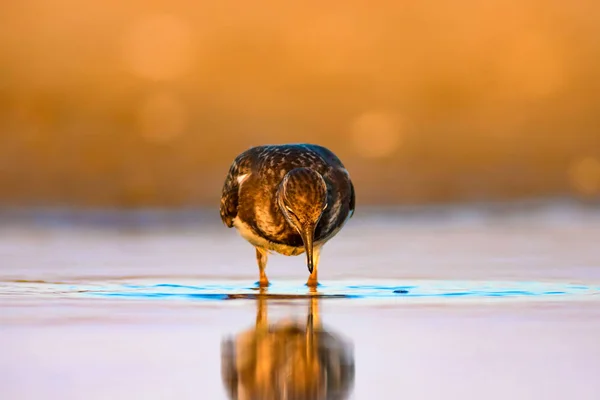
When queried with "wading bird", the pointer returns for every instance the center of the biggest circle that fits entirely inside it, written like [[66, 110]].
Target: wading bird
[[290, 199]]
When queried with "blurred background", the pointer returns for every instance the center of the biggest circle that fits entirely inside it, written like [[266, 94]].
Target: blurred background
[[133, 110], [146, 103]]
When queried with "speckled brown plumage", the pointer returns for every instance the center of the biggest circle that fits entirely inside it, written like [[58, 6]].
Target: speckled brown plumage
[[273, 192]]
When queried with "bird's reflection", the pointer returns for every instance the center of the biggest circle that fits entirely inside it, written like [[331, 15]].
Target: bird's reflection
[[287, 360]]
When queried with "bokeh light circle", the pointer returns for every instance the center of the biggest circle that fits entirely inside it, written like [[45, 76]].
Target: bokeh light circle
[[158, 47], [584, 175], [377, 134]]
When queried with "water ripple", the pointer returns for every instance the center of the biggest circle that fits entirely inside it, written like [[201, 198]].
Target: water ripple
[[228, 290]]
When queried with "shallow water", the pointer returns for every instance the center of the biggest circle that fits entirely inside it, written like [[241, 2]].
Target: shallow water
[[455, 303]]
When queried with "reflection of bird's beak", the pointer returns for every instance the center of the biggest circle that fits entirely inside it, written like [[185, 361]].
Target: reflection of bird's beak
[[307, 237]]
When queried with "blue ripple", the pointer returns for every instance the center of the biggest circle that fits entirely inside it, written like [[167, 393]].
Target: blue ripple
[[393, 290]]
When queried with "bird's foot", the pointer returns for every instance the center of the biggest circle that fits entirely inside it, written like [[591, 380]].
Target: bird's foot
[[312, 283], [263, 283]]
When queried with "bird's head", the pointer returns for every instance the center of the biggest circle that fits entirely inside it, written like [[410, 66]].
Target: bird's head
[[302, 198]]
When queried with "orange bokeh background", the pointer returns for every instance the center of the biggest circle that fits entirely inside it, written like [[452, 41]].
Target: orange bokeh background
[[145, 103]]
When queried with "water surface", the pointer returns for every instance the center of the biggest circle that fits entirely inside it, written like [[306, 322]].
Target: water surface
[[434, 304]]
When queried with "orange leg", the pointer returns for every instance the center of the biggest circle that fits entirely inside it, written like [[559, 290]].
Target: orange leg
[[261, 258]]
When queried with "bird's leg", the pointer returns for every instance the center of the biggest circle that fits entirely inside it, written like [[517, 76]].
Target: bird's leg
[[312, 279], [261, 258], [312, 326], [261, 313], [313, 313]]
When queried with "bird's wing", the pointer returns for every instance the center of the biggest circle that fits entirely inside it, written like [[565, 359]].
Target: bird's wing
[[352, 199], [327, 155], [238, 172]]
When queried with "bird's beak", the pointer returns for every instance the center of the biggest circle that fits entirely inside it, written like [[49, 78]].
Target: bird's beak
[[307, 237]]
